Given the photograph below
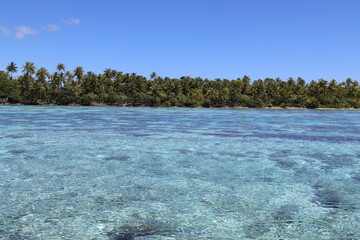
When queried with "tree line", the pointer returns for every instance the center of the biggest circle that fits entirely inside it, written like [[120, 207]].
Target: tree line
[[63, 87]]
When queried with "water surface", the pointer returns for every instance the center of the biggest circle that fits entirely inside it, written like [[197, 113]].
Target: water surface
[[161, 173]]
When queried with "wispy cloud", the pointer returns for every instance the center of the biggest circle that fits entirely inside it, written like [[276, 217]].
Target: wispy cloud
[[18, 32], [22, 31], [4, 30], [51, 27], [71, 21]]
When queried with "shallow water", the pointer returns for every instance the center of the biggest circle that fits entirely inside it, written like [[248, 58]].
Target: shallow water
[[156, 173]]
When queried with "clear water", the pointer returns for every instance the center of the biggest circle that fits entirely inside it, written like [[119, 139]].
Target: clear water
[[155, 173]]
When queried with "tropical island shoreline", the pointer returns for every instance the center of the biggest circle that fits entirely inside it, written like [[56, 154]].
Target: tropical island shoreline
[[36, 86], [144, 106]]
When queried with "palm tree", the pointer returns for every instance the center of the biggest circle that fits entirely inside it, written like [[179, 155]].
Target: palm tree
[[29, 68], [42, 74], [79, 73], [333, 91], [68, 79], [27, 81], [91, 83], [351, 88], [55, 81], [270, 90], [153, 75], [109, 74], [11, 68], [246, 85], [108, 78], [61, 68]]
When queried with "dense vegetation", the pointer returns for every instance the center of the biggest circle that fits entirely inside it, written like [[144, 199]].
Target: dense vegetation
[[38, 86]]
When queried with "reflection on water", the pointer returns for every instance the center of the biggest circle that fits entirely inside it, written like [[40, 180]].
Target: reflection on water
[[154, 173]]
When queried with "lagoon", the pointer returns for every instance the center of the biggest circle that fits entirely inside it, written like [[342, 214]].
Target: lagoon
[[178, 173]]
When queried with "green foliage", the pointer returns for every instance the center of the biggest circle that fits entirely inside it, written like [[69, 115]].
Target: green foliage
[[9, 89], [312, 103], [66, 96], [206, 103], [87, 99], [63, 87], [244, 101]]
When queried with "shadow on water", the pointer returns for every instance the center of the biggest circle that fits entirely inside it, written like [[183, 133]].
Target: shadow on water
[[201, 153], [140, 135], [285, 214], [15, 233], [256, 229], [267, 179], [253, 155], [232, 154], [16, 237], [117, 158], [183, 151], [282, 159], [356, 177], [16, 151], [325, 197], [332, 161], [129, 232], [15, 136], [278, 221]]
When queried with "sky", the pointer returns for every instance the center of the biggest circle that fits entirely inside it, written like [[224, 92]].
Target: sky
[[211, 39]]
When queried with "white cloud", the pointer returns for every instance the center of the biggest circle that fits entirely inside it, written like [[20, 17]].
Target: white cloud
[[7, 32], [22, 31], [71, 21], [51, 27]]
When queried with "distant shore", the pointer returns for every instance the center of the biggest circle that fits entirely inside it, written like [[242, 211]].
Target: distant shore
[[137, 106]]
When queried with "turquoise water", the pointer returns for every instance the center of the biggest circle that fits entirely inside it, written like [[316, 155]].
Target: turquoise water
[[156, 173]]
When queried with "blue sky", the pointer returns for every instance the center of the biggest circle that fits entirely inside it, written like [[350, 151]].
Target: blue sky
[[311, 39]]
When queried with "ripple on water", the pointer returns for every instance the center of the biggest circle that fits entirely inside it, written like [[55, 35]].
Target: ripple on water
[[117, 158], [326, 197], [183, 150], [16, 151], [356, 177], [20, 135]]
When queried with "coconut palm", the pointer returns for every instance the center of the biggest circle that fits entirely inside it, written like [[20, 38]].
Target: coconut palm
[[69, 79], [42, 74], [41, 83], [29, 68], [11, 68], [60, 67], [27, 82], [79, 73], [153, 75]]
